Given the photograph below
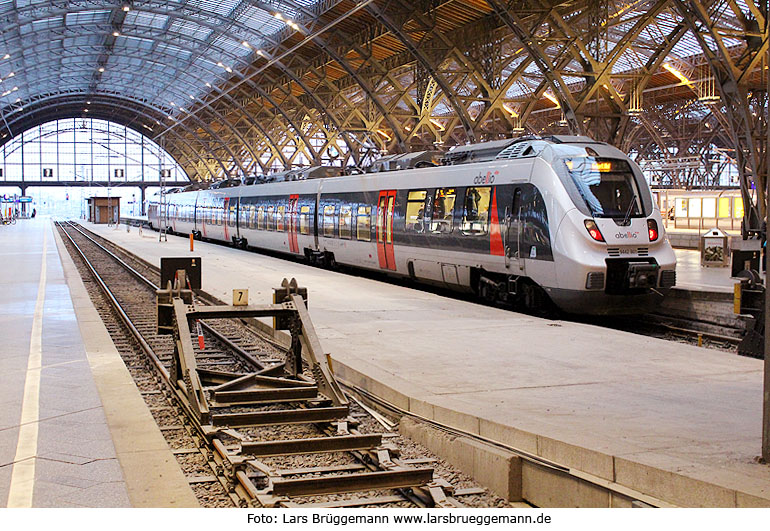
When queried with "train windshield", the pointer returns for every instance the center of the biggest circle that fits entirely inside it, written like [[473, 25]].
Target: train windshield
[[607, 186]]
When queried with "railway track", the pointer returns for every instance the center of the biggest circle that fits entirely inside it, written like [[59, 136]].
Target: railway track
[[252, 430]]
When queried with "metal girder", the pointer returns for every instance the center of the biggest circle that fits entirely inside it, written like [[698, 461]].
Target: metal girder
[[529, 40], [728, 76], [420, 56]]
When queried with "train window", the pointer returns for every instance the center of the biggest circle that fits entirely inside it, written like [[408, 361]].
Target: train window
[[261, 218], [280, 217], [476, 210], [328, 221], [346, 215], [232, 215], [534, 236], [271, 217], [415, 208], [443, 207], [364, 224], [304, 220]]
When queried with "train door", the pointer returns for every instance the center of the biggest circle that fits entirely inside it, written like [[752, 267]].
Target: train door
[[293, 223], [226, 221], [513, 228], [385, 207]]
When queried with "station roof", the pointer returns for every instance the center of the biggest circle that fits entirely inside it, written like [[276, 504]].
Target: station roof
[[244, 86]]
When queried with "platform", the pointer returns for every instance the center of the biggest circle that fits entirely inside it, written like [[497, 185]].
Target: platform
[[691, 276], [74, 431], [677, 422]]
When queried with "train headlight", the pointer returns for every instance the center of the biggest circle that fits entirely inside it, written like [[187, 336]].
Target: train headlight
[[593, 230], [652, 229]]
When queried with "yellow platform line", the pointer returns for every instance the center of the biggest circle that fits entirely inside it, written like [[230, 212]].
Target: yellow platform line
[[23, 476]]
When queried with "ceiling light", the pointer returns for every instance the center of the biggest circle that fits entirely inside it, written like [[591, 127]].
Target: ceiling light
[[246, 44], [679, 75], [101, 69], [219, 64], [437, 124], [259, 52], [88, 103], [19, 99], [15, 89], [510, 111], [126, 9], [192, 97], [11, 74], [85, 110], [208, 85], [228, 69], [552, 98], [173, 104], [278, 16], [116, 34], [7, 56]]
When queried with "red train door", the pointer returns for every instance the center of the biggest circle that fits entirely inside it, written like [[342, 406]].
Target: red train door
[[293, 223], [385, 207]]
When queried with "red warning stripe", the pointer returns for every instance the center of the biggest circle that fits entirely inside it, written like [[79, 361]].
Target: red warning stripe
[[495, 237]]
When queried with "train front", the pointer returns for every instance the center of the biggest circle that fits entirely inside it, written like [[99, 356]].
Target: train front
[[611, 251]]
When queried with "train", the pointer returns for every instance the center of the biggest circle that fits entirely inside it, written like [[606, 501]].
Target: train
[[535, 222]]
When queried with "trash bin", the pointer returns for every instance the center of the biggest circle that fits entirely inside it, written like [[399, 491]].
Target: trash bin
[[713, 249]]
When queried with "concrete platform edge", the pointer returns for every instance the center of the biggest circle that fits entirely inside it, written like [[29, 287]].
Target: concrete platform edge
[[670, 487], [152, 474]]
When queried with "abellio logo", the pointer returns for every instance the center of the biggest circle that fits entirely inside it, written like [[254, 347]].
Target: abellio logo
[[488, 178], [627, 235]]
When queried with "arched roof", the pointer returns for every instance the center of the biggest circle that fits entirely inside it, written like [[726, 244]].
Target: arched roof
[[242, 86]]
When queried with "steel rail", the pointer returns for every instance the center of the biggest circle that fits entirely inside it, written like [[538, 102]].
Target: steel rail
[[149, 351], [244, 487]]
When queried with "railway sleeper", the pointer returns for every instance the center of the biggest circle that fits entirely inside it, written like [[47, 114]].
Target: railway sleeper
[[274, 418], [386, 479], [344, 443], [264, 396]]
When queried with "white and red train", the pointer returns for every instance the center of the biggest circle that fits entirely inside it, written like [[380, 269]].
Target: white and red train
[[528, 220]]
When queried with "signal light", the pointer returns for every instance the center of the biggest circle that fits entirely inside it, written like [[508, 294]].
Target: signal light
[[652, 229], [593, 230]]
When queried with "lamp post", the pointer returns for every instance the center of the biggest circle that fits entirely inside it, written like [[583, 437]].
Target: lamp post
[[766, 387]]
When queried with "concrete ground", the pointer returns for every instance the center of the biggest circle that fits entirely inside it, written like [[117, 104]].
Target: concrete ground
[[674, 421], [65, 395]]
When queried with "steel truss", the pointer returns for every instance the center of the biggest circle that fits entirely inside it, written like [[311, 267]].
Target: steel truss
[[335, 84]]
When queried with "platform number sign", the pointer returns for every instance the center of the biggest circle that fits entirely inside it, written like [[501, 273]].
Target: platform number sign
[[240, 297]]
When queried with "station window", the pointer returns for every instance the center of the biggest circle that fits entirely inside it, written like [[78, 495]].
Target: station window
[[328, 221], [443, 207], [364, 224], [261, 218], [346, 215], [476, 210], [279, 218], [304, 220], [271, 217], [415, 208]]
